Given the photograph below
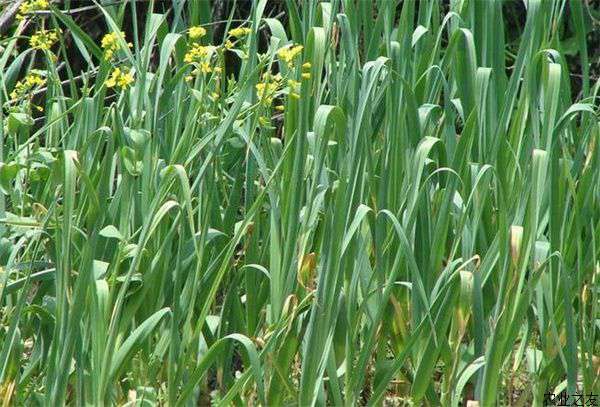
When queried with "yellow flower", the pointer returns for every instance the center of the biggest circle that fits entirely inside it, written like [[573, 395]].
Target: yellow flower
[[197, 32], [205, 67], [239, 32], [34, 80], [125, 80], [110, 44], [228, 44], [294, 85], [44, 39], [266, 89], [306, 75], [280, 108], [306, 66], [265, 92], [218, 69], [31, 6], [112, 81], [195, 53], [27, 84], [289, 53], [120, 78]]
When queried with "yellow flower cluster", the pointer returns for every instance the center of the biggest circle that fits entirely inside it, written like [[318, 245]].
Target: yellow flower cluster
[[294, 88], [24, 86], [205, 67], [120, 78], [197, 32], [239, 32], [306, 67], [265, 90], [289, 53], [195, 54], [44, 39], [110, 44], [31, 6]]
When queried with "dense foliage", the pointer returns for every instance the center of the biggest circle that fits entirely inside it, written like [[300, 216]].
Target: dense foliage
[[342, 203]]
